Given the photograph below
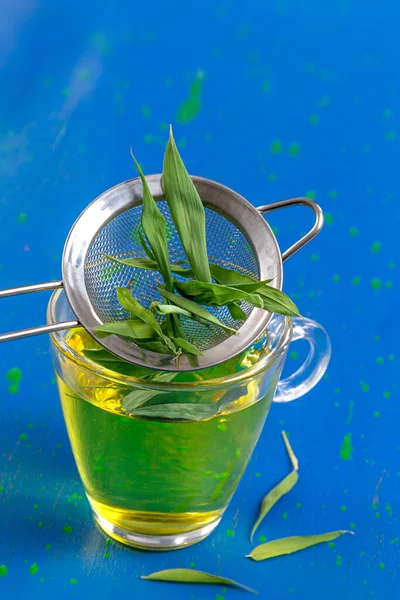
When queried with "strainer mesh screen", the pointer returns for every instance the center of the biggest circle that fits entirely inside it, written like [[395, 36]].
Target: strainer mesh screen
[[227, 247]]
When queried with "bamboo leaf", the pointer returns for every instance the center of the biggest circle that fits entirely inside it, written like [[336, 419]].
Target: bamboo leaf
[[106, 359], [289, 449], [273, 496], [187, 211], [236, 312], [192, 307], [132, 329], [178, 412], [155, 229], [215, 294], [168, 309], [229, 276], [135, 309], [292, 544], [148, 264], [137, 398], [145, 247], [186, 346], [194, 576], [158, 346], [276, 301]]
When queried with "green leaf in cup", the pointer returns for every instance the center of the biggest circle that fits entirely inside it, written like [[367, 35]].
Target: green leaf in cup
[[194, 576], [273, 496], [187, 211], [292, 544]]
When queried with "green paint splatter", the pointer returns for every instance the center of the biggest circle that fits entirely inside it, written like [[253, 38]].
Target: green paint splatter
[[192, 564], [258, 474], [380, 360], [271, 176], [315, 257], [293, 354], [73, 581], [352, 525], [311, 194], [377, 414], [294, 149], [266, 86], [364, 386], [262, 538], [14, 376], [230, 533], [388, 509], [84, 74], [343, 508], [23, 436], [276, 147], [324, 101], [314, 119], [387, 113], [336, 278], [332, 194], [67, 529], [381, 566], [346, 449], [331, 544], [1, 488], [391, 357], [336, 390], [299, 505], [338, 560], [3, 570], [285, 515], [367, 148], [350, 415], [388, 284], [106, 555], [329, 218], [33, 569], [190, 108], [48, 546], [376, 283], [356, 280], [146, 112], [22, 218], [353, 231], [375, 247], [391, 265], [390, 136], [386, 394]]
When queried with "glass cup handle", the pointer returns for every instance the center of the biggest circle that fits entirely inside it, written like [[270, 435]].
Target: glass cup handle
[[315, 365]]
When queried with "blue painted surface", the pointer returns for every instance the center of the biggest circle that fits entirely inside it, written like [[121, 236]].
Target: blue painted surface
[[75, 78]]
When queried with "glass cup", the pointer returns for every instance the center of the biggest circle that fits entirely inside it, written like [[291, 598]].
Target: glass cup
[[160, 460]]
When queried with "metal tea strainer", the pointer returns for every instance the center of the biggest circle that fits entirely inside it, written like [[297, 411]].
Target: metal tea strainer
[[238, 237]]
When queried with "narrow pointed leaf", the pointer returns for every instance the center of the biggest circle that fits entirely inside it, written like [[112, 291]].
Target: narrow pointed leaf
[[187, 211], [155, 228], [276, 301], [291, 454], [177, 411], [132, 329], [273, 496], [145, 247], [158, 346], [186, 346], [229, 276], [194, 308], [292, 544], [168, 309], [148, 264], [106, 359], [194, 576], [236, 312], [137, 398], [132, 306], [215, 294]]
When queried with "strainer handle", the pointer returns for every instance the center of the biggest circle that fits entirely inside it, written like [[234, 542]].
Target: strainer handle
[[319, 221], [27, 289]]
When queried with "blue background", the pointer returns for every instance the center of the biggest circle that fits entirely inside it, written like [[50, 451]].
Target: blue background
[[295, 98]]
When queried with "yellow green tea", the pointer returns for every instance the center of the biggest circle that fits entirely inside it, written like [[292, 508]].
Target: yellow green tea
[[158, 476]]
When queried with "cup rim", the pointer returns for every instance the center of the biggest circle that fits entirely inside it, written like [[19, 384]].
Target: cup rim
[[91, 366]]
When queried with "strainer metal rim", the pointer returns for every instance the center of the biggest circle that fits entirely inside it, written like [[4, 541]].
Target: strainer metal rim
[[128, 194]]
